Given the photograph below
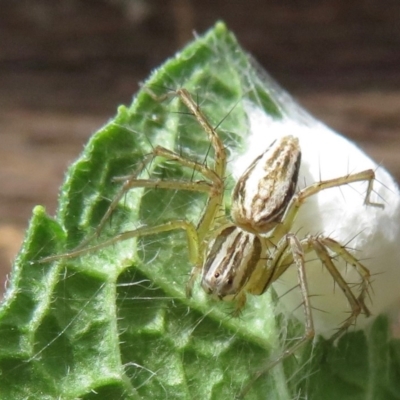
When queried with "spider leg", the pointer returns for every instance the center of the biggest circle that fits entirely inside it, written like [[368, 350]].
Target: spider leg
[[320, 245], [188, 227], [193, 107], [292, 244], [132, 181], [351, 260], [290, 250], [213, 185], [298, 199], [215, 175], [355, 304], [240, 302], [367, 175]]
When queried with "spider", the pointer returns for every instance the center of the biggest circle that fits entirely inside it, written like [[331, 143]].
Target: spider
[[246, 253]]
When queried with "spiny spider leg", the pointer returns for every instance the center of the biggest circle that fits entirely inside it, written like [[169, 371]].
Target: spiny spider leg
[[187, 226], [219, 148], [294, 246], [319, 245], [350, 259], [215, 188], [214, 202], [291, 250], [160, 151], [355, 305], [132, 181], [298, 199]]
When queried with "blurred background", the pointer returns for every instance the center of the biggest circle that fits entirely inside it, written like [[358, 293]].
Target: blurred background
[[66, 65]]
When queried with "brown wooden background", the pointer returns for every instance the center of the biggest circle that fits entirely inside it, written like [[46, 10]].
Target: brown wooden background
[[66, 65]]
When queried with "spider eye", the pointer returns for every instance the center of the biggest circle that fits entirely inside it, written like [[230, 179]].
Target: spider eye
[[230, 281], [216, 275]]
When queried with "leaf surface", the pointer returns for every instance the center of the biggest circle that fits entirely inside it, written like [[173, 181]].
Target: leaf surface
[[115, 323]]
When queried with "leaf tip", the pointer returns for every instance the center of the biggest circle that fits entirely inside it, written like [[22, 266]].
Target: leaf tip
[[39, 211], [220, 27]]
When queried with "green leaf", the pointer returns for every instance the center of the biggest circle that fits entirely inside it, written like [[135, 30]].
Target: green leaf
[[115, 323]]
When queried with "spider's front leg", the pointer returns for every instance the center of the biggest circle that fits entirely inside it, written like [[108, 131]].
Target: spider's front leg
[[188, 227], [213, 186], [321, 246], [290, 250], [290, 244], [356, 304]]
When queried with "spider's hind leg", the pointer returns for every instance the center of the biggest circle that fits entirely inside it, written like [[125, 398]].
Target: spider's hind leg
[[132, 181], [299, 198]]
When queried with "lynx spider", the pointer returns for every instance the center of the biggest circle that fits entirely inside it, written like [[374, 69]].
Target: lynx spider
[[247, 253]]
